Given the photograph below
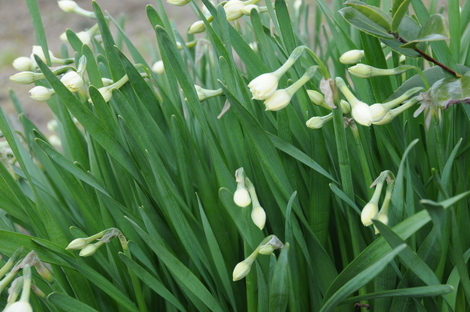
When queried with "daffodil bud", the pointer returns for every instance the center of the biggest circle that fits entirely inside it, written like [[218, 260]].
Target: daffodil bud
[[197, 27], [107, 92], [366, 71], [19, 306], [246, 10], [23, 63], [26, 77], [241, 197], [368, 213], [318, 121], [278, 100], [378, 111], [72, 80], [316, 97], [178, 2], [382, 217], [233, 9], [77, 244], [258, 215], [90, 249], [352, 57], [67, 6], [263, 86], [241, 270], [158, 67], [360, 111], [41, 94]]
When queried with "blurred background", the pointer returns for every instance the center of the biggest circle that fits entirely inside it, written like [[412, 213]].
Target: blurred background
[[17, 38]]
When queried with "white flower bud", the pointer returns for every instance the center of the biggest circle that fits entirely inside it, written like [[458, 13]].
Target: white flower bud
[[106, 93], [316, 97], [72, 81], [241, 270], [233, 9], [263, 86], [19, 306], [258, 216], [67, 6], [362, 114], [39, 52], [315, 122], [23, 63], [84, 37], [158, 67], [90, 249], [368, 213], [26, 77], [197, 27], [352, 57], [77, 244], [278, 100], [241, 197], [382, 217], [41, 94], [178, 2], [378, 111]]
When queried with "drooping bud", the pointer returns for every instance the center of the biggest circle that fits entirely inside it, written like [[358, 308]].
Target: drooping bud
[[72, 80], [41, 94], [23, 63], [258, 215]]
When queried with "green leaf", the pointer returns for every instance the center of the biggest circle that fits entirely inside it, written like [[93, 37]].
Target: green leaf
[[399, 9], [360, 279], [433, 30], [424, 291], [67, 303], [373, 13], [279, 290], [151, 281], [362, 22], [408, 30]]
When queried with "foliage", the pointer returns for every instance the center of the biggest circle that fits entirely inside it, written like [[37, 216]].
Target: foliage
[[139, 175]]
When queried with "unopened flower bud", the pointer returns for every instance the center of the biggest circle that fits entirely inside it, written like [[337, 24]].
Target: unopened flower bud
[[72, 80], [233, 9], [382, 217], [77, 244], [316, 97], [352, 57], [246, 10], [263, 86], [241, 270], [67, 6], [19, 306], [362, 114], [366, 71], [368, 213], [258, 215], [269, 247], [26, 77], [158, 67], [23, 63], [278, 100], [241, 197], [197, 27], [90, 249], [41, 94], [318, 121]]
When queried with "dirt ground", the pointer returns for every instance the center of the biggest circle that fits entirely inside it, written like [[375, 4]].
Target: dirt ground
[[17, 37]]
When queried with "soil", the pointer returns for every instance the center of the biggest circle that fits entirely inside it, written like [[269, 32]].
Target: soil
[[17, 37]]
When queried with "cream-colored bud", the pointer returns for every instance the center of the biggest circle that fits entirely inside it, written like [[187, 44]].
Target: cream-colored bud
[[158, 67], [178, 2], [233, 9], [278, 100], [67, 6], [263, 86], [77, 244], [84, 37], [197, 27], [19, 306], [258, 215], [382, 217], [361, 70], [106, 93], [72, 81], [362, 114], [55, 140], [241, 270], [315, 122], [352, 57], [26, 77], [378, 111], [241, 197], [90, 249], [107, 82], [316, 97], [368, 213], [41, 94], [23, 63]]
